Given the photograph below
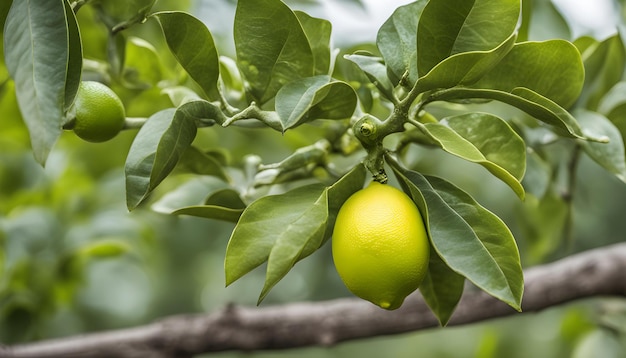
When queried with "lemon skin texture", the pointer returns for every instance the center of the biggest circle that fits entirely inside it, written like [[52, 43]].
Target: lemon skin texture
[[100, 114], [380, 245]]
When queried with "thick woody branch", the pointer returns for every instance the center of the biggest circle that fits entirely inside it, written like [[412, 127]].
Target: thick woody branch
[[598, 272]]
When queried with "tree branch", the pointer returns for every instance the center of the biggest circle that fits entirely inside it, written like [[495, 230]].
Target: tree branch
[[595, 272]]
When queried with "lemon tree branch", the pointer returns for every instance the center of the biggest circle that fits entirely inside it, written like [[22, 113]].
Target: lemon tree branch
[[597, 272]]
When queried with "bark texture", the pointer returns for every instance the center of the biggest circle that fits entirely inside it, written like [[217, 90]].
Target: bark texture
[[598, 272]]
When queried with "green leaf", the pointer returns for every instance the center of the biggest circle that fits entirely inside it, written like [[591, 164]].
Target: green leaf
[[280, 229], [197, 162], [37, 52], [541, 20], [494, 138], [604, 66], [74, 57], [312, 98], [613, 106], [471, 240], [608, 155], [448, 27], [192, 44], [272, 48], [464, 68], [202, 197], [108, 248], [143, 65], [486, 140], [159, 145], [397, 42], [375, 71], [528, 101], [551, 68], [340, 191], [442, 288], [318, 33], [538, 175]]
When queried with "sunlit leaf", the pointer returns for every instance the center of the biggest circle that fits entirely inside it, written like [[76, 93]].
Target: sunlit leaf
[[486, 140], [448, 27], [553, 69]]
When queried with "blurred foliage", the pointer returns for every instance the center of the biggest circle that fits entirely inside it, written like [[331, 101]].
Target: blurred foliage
[[73, 259]]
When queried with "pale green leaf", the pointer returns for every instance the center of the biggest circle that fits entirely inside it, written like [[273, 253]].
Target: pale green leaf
[[608, 155]]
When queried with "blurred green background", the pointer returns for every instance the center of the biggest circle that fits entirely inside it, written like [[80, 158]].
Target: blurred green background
[[73, 259]]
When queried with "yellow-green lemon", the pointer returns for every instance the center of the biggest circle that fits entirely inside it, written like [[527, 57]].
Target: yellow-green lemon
[[99, 111], [380, 245]]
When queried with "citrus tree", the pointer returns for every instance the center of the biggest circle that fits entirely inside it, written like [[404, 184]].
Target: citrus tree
[[452, 76]]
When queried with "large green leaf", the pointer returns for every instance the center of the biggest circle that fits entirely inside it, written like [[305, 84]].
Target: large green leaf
[[551, 68], [464, 68], [280, 229], [159, 145], [471, 240], [448, 27], [272, 47], [397, 42], [604, 66], [608, 155], [442, 288], [613, 106], [528, 101], [40, 40], [318, 33], [74, 57], [192, 44], [486, 140], [312, 98]]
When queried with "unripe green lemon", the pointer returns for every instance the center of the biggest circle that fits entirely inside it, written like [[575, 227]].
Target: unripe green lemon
[[100, 113], [380, 245]]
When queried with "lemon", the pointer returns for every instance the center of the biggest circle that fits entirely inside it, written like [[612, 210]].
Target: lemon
[[100, 113], [380, 245]]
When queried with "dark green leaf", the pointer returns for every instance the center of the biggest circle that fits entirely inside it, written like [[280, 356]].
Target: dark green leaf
[[37, 53], [312, 98], [195, 161], [318, 33], [448, 27], [608, 155], [192, 44], [552, 68], [272, 48], [375, 71], [279, 229], [397, 42], [464, 68], [471, 241], [442, 288], [74, 57]]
